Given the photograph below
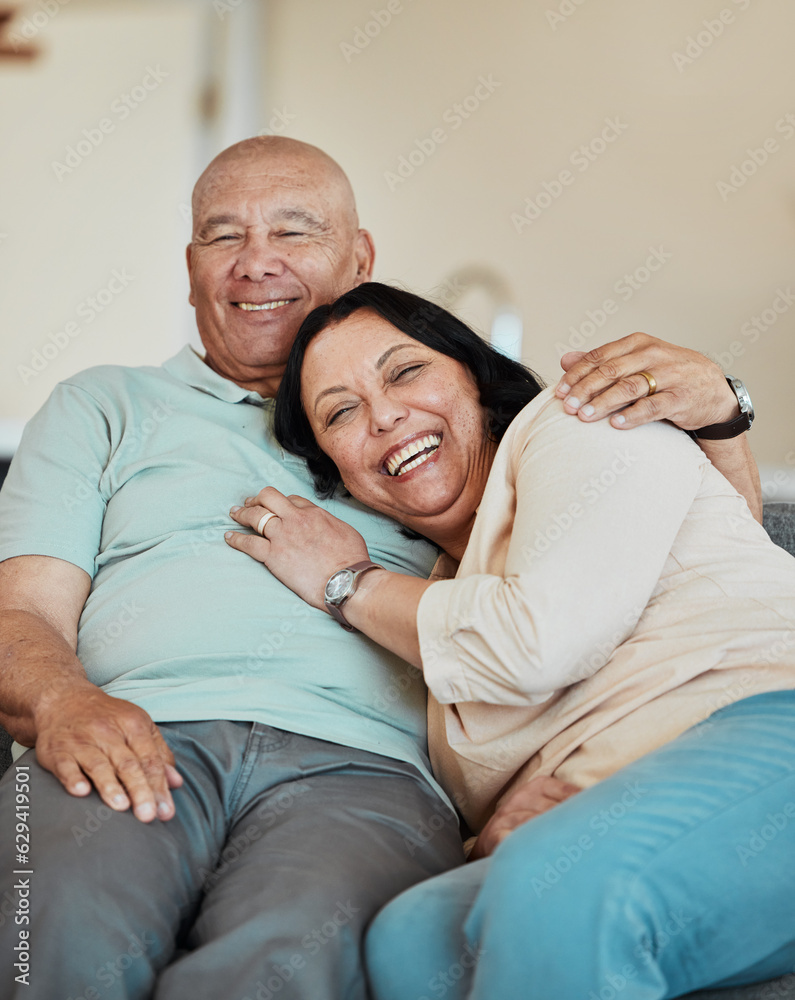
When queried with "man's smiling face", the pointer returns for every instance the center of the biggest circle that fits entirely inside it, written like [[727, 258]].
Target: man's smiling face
[[275, 235]]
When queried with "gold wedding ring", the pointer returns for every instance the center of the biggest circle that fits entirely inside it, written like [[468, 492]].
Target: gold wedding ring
[[263, 521], [652, 382]]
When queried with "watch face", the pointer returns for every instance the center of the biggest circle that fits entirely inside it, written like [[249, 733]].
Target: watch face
[[338, 585]]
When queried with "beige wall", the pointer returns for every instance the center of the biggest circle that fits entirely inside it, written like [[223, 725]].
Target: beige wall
[[554, 83], [91, 267], [654, 186]]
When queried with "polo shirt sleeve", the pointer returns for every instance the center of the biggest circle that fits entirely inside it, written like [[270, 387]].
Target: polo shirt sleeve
[[51, 503], [596, 514]]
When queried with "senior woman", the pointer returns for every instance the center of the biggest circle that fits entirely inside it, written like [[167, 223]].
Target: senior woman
[[613, 619]]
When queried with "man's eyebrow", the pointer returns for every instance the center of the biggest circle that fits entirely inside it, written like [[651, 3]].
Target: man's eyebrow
[[335, 389], [215, 221], [303, 217]]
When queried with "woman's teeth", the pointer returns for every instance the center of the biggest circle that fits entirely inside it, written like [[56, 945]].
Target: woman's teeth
[[414, 454], [253, 307]]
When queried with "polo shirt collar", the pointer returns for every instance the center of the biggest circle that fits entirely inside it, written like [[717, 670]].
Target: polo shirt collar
[[189, 367]]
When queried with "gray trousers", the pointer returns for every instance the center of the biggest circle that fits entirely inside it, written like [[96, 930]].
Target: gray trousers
[[282, 850]]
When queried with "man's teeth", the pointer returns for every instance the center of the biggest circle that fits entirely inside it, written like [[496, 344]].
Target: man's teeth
[[423, 448], [253, 307]]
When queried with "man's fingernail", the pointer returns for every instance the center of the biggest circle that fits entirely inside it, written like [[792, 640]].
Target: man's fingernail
[[587, 410], [573, 402], [145, 811], [163, 810], [234, 510], [248, 500], [228, 534], [82, 788], [619, 418], [119, 801], [563, 389]]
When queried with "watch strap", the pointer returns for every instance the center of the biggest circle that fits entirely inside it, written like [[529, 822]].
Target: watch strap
[[735, 427], [358, 569]]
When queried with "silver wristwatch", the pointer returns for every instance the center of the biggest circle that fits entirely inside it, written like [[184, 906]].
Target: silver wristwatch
[[722, 432], [342, 586]]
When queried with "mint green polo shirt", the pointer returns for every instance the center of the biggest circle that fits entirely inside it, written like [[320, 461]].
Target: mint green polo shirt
[[129, 473]]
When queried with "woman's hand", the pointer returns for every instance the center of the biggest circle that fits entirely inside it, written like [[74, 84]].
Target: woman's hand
[[303, 545], [525, 802]]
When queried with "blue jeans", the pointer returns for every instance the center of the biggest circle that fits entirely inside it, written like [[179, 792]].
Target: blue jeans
[[674, 874]]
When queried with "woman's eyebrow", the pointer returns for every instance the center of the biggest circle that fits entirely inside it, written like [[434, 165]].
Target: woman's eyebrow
[[328, 392], [379, 364], [390, 351]]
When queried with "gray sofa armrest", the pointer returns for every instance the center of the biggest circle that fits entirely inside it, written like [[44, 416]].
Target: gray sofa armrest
[[779, 521]]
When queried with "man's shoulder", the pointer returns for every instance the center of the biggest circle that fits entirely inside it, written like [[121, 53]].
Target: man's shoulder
[[111, 382]]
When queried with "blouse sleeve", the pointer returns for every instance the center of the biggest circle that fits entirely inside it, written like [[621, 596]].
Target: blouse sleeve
[[596, 513]]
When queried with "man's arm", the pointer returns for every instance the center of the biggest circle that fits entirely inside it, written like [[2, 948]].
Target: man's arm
[[46, 699], [692, 392]]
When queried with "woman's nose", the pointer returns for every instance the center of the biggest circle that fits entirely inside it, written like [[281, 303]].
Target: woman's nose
[[385, 413]]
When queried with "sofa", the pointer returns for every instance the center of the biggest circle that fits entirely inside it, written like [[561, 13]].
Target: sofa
[[779, 520]]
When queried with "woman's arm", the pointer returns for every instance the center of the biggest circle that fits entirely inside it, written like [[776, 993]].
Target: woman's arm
[[596, 513], [305, 544]]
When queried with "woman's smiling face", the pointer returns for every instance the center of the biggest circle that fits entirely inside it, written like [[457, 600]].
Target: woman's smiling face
[[402, 423]]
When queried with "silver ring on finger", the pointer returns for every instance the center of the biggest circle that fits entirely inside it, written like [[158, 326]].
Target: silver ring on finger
[[263, 521]]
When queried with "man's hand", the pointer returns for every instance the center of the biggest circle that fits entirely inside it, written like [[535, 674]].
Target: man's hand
[[86, 733], [692, 391], [523, 803]]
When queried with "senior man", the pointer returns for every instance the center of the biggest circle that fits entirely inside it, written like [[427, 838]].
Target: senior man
[[247, 782]]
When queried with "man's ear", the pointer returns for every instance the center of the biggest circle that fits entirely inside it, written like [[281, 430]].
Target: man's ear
[[188, 254], [365, 257]]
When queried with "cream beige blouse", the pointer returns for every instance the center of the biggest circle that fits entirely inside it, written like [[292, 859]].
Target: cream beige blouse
[[614, 592]]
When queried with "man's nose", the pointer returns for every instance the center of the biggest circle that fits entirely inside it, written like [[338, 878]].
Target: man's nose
[[258, 258]]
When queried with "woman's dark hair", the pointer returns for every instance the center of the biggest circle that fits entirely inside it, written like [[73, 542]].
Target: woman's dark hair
[[505, 386]]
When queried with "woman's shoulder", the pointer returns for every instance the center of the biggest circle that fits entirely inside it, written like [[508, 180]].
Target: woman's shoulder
[[544, 417]]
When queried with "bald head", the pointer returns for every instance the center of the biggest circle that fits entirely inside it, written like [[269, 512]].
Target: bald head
[[278, 156], [275, 234]]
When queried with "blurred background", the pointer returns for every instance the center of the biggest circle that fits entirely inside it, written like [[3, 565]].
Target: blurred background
[[560, 172]]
